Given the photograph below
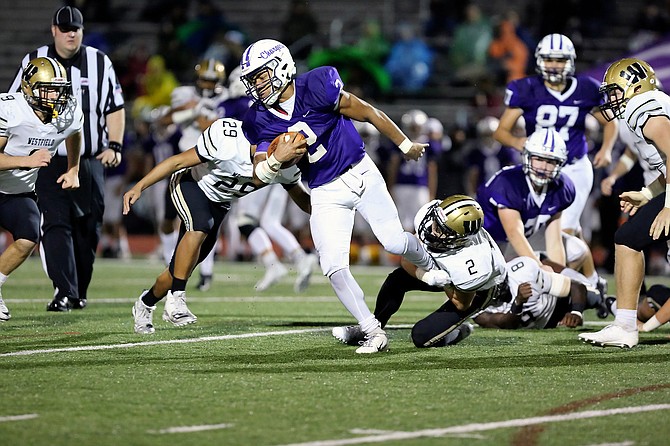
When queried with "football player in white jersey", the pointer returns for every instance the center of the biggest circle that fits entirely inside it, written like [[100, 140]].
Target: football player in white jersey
[[193, 109], [32, 125], [631, 93], [451, 231], [206, 179], [538, 298]]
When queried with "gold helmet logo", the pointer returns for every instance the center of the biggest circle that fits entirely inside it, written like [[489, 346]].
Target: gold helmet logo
[[624, 79], [450, 223], [45, 86]]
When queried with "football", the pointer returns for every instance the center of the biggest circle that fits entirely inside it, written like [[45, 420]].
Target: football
[[287, 137]]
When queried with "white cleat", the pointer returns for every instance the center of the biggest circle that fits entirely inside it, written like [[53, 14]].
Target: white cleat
[[143, 315], [272, 276], [305, 268], [464, 330], [375, 342], [4, 311], [176, 310], [349, 334], [612, 336]]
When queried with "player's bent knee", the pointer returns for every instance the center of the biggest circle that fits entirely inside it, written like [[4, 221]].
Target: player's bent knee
[[575, 248], [396, 245]]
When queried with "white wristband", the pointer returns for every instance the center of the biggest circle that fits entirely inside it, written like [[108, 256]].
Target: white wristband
[[651, 324], [577, 313], [183, 116], [265, 173], [273, 163], [406, 145], [647, 193], [628, 162], [667, 196]]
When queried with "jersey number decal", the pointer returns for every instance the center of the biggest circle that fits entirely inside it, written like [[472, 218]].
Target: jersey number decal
[[303, 127], [471, 267], [239, 188], [548, 115]]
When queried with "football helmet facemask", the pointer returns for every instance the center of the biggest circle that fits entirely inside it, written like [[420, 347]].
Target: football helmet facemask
[[267, 69], [624, 79], [45, 86], [210, 75], [451, 223], [545, 144], [555, 47]]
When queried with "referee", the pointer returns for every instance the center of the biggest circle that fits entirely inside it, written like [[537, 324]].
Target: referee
[[72, 219]]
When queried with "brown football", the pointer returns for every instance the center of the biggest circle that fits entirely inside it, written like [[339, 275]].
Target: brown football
[[287, 137]]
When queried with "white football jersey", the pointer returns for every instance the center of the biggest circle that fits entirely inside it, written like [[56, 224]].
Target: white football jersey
[[540, 306], [190, 131], [478, 266], [227, 171], [638, 110], [649, 158], [26, 133]]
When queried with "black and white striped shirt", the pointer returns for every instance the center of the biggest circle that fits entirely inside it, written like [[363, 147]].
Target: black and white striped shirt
[[94, 85]]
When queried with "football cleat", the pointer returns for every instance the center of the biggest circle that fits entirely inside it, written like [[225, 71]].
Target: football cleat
[[61, 304], [272, 276], [374, 342], [4, 311], [464, 330], [349, 334], [176, 310], [77, 304], [143, 315], [305, 268], [612, 336], [603, 310], [205, 282]]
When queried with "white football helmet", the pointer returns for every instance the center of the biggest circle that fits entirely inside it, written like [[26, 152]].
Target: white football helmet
[[45, 86], [236, 88], [273, 59], [546, 144], [413, 123], [555, 46]]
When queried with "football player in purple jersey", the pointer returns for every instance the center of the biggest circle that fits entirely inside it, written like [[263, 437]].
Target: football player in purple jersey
[[342, 177], [520, 201], [560, 99]]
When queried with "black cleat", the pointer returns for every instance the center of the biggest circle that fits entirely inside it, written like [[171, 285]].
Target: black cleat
[[76, 304], [61, 304]]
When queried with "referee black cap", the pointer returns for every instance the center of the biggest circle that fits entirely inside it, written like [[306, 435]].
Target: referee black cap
[[68, 16]]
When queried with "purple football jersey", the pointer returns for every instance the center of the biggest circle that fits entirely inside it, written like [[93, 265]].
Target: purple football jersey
[[508, 188], [565, 111], [334, 143], [234, 108]]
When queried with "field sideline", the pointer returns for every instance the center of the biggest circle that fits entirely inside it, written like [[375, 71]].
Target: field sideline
[[263, 369]]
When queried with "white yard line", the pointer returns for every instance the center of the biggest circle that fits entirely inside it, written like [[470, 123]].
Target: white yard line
[[481, 427], [28, 416], [187, 429], [83, 348]]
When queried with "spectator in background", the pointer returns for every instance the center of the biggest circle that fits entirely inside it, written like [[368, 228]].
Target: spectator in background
[[469, 48], [651, 23], [300, 29], [410, 62], [157, 85], [508, 53]]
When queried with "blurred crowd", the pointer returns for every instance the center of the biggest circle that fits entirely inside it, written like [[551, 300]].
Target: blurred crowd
[[455, 45]]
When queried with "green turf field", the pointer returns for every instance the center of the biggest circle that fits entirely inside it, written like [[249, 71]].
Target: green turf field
[[263, 369]]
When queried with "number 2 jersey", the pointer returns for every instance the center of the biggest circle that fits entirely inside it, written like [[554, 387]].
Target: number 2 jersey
[[227, 169], [477, 266], [26, 133], [333, 142]]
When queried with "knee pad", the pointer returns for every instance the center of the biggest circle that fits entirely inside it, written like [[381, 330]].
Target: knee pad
[[397, 243], [575, 248]]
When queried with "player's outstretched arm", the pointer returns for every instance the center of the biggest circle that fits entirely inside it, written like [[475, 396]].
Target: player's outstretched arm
[[162, 170], [355, 108]]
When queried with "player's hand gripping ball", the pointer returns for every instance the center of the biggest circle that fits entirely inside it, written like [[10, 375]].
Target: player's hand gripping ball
[[288, 136]]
